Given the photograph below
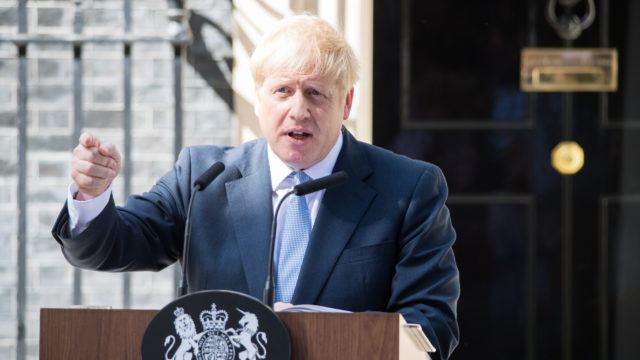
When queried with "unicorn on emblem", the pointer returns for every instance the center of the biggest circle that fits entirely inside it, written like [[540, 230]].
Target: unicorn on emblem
[[242, 337]]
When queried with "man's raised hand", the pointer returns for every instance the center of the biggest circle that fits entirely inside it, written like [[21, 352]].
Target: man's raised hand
[[94, 165]]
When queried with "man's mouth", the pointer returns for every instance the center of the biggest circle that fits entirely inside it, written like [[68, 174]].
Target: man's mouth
[[299, 135]]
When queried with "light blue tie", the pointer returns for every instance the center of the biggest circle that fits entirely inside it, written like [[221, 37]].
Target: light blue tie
[[296, 227]]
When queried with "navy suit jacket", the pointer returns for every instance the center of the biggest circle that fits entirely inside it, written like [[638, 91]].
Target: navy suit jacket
[[381, 242]]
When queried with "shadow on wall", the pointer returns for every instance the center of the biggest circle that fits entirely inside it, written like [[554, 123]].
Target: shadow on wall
[[203, 60]]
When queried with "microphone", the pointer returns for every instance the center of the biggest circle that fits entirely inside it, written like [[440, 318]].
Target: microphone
[[200, 184], [207, 177], [299, 190], [320, 183]]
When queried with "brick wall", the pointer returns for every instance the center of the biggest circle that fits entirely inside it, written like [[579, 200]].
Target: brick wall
[[207, 119]]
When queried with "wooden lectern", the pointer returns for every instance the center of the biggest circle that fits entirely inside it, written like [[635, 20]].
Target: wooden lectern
[[116, 334]]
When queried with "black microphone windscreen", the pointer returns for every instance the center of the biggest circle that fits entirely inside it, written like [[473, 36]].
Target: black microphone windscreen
[[321, 183], [207, 177]]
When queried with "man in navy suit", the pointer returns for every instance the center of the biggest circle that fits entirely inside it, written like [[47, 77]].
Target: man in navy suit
[[381, 242]]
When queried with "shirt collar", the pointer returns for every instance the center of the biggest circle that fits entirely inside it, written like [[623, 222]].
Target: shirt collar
[[279, 170]]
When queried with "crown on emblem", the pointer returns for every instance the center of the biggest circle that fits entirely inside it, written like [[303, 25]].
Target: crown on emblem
[[214, 319], [178, 312]]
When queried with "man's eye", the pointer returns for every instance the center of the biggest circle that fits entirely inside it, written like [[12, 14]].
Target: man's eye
[[314, 92], [282, 90]]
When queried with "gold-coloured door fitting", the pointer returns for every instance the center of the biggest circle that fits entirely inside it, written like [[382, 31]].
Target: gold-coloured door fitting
[[569, 70], [567, 157]]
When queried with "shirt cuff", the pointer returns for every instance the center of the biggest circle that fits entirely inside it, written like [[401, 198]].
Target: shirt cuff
[[81, 213]]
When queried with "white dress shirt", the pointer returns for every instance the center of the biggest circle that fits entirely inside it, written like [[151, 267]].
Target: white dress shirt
[[82, 212], [282, 184]]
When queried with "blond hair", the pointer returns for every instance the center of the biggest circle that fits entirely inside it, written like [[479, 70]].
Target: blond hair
[[306, 45]]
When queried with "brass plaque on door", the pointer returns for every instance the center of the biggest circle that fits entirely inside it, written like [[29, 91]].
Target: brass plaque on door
[[567, 157], [568, 70]]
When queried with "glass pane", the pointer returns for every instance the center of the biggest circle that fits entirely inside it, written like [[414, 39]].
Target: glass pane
[[625, 36], [494, 274], [462, 61], [623, 290]]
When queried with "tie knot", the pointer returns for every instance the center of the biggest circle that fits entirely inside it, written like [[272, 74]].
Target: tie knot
[[300, 177]]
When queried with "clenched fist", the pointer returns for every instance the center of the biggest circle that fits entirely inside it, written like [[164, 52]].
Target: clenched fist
[[94, 166]]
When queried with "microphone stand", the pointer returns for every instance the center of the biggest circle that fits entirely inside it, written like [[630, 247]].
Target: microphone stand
[[200, 184], [268, 293], [184, 286]]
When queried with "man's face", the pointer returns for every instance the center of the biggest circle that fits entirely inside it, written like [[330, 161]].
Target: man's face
[[301, 116]]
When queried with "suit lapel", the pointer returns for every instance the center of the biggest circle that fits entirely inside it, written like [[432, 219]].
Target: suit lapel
[[339, 214], [251, 213]]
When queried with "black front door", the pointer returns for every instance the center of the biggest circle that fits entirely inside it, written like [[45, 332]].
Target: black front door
[[549, 262]]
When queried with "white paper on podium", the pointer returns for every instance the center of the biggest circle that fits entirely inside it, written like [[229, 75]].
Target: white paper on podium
[[307, 308], [419, 337]]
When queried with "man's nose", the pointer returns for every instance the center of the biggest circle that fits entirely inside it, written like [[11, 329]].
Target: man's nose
[[299, 107]]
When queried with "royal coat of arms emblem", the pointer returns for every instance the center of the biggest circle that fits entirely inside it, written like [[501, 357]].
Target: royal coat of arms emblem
[[215, 341], [215, 325]]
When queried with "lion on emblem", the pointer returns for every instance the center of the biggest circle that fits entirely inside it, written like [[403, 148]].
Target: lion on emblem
[[186, 329]]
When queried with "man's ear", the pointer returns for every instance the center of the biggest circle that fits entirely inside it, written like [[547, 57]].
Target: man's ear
[[347, 105]]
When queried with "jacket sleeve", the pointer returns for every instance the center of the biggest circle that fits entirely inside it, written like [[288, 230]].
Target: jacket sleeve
[[146, 234], [426, 287]]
